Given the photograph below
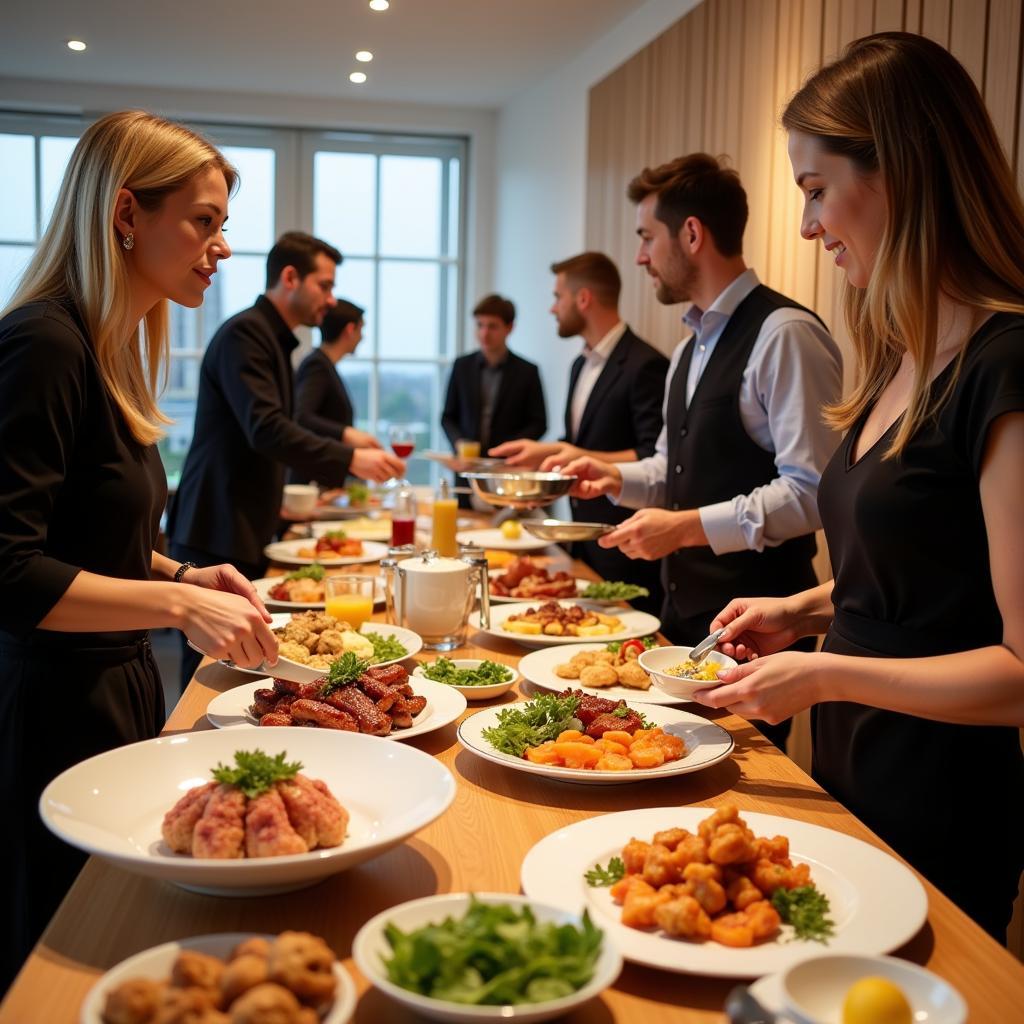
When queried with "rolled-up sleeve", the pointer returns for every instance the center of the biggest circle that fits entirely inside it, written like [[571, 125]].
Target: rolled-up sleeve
[[42, 367]]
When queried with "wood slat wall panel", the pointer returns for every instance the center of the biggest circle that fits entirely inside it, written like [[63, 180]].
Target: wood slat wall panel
[[717, 81]]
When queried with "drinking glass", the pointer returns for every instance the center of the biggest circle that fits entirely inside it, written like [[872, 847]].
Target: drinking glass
[[403, 443], [349, 598]]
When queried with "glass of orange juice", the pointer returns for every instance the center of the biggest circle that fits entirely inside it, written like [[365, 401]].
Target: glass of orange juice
[[349, 598], [466, 449]]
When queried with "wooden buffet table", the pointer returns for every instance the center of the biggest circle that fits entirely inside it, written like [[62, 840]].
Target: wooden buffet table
[[478, 844]]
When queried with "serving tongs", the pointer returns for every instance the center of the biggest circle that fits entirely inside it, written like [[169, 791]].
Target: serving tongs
[[705, 647]]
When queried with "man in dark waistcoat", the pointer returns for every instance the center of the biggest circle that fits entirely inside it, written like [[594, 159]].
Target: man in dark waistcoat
[[613, 405], [245, 438], [728, 501]]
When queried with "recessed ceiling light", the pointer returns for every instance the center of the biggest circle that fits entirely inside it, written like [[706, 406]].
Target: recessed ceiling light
[[358, 77], [379, 5], [364, 55], [76, 44]]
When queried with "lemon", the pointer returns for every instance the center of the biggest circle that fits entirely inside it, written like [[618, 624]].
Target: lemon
[[876, 1001], [511, 530]]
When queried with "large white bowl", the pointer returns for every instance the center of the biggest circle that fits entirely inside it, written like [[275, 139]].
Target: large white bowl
[[657, 659], [814, 989], [156, 964], [113, 805], [370, 945]]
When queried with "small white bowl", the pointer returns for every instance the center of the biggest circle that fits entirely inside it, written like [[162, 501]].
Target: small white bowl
[[657, 659], [814, 989], [300, 499], [370, 945], [474, 692]]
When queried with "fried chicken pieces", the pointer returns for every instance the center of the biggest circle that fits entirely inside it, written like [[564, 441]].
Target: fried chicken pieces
[[286, 981], [218, 821], [716, 884]]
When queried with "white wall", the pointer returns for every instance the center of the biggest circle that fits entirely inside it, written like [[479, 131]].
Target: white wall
[[541, 189]]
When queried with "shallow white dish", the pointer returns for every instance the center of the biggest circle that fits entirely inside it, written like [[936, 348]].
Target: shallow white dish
[[877, 903], [156, 964], [230, 709], [362, 528], [113, 805], [263, 591], [658, 658], [287, 553], [472, 692], [706, 744], [494, 538], [634, 623], [412, 642], [370, 945], [539, 668]]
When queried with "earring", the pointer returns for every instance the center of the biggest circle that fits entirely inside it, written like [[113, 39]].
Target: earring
[[128, 241]]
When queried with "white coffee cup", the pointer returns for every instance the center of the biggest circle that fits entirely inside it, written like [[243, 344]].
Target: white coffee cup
[[300, 499]]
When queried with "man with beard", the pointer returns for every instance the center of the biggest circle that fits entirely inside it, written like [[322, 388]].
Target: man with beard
[[728, 501], [245, 437], [613, 409]]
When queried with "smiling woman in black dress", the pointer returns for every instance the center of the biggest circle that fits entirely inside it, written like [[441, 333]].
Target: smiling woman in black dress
[[919, 689], [138, 221]]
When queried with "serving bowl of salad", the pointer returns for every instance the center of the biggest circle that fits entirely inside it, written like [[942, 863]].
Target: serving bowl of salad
[[474, 678]]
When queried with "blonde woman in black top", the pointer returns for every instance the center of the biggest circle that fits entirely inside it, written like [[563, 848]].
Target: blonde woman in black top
[[919, 689], [83, 342]]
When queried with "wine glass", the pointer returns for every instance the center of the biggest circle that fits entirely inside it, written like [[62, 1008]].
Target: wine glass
[[403, 443]]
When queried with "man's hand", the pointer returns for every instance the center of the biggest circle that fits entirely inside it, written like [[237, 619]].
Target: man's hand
[[359, 438], [594, 477], [564, 454], [376, 464], [652, 533], [524, 453]]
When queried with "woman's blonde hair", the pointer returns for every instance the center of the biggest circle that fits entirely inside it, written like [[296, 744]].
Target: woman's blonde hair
[[80, 257], [901, 105]]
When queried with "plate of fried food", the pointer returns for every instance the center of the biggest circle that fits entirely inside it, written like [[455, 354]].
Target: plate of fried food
[[354, 697], [303, 589], [291, 978], [575, 737], [235, 812], [704, 890], [526, 579], [564, 622], [332, 548], [610, 670]]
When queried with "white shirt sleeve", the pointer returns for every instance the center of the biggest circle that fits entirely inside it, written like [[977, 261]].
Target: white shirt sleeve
[[795, 369]]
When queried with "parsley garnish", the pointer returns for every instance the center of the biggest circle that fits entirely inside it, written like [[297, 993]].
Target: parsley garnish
[[532, 723], [599, 877], [343, 671], [614, 590], [256, 772], [806, 910], [334, 535]]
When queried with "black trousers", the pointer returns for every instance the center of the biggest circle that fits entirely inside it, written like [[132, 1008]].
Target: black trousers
[[691, 630], [190, 659]]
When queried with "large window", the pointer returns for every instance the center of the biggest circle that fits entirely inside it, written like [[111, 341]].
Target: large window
[[392, 205]]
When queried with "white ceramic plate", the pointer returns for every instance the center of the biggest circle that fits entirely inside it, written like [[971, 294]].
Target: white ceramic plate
[[230, 709], [581, 585], [706, 744], [473, 692], [412, 642], [634, 623], [156, 964], [370, 945], [113, 805], [263, 590], [539, 668], [287, 553], [492, 538], [363, 528], [877, 903]]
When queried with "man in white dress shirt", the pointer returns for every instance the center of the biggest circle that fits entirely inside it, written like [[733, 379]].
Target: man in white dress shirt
[[728, 500]]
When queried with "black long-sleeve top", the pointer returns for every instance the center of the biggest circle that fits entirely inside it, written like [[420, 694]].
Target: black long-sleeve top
[[322, 403], [245, 437]]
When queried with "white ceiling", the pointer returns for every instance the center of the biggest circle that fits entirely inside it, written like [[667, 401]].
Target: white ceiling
[[455, 52]]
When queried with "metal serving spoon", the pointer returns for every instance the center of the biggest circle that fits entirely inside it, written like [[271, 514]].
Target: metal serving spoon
[[705, 647]]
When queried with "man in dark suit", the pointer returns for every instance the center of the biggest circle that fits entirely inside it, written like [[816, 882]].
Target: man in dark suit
[[493, 394], [245, 437], [613, 409], [322, 402]]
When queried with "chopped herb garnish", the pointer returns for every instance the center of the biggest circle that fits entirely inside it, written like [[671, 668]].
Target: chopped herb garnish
[[343, 671], [622, 711], [806, 909], [256, 772], [599, 877], [334, 535], [488, 673]]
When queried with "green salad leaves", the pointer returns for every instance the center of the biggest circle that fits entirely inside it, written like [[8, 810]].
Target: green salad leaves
[[385, 648], [487, 674], [614, 590], [308, 572], [530, 724], [806, 909], [255, 772], [495, 955]]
